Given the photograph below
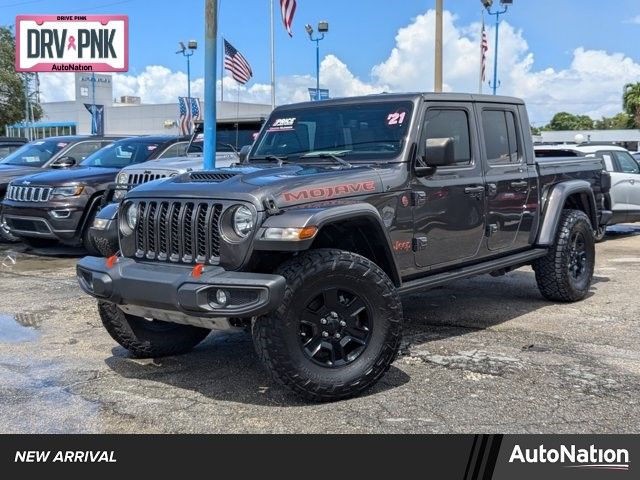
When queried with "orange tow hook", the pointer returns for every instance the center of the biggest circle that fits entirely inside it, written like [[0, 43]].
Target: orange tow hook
[[111, 261], [197, 270]]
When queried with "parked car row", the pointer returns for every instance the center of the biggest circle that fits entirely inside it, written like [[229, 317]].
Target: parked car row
[[53, 188], [624, 198]]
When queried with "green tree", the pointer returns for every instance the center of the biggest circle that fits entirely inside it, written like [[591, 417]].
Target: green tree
[[569, 121], [621, 121], [12, 101], [631, 101]]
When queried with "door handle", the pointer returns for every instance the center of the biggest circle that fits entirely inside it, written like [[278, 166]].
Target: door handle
[[474, 190], [632, 182], [519, 185]]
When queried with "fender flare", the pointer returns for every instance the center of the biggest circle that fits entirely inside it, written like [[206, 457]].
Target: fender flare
[[320, 217], [555, 202]]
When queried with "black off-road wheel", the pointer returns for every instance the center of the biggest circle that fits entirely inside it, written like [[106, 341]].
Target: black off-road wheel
[[337, 330], [104, 246], [87, 238], [149, 338], [566, 272]]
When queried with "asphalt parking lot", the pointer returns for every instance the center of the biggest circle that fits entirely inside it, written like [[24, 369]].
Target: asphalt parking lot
[[483, 355]]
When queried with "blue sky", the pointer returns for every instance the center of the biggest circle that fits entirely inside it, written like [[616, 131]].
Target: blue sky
[[363, 32]]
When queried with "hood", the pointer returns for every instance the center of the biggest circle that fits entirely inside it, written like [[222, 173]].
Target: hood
[[285, 186], [84, 175], [171, 165], [10, 172]]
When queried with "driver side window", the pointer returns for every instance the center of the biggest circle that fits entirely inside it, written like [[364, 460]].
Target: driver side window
[[82, 150], [626, 163], [450, 123]]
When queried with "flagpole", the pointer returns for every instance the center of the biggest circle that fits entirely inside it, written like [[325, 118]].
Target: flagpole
[[481, 53], [222, 69], [273, 59], [210, 74]]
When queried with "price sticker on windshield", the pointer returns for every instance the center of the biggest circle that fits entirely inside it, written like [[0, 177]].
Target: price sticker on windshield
[[397, 118], [283, 124]]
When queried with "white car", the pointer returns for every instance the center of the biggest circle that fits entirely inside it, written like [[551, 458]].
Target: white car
[[624, 197]]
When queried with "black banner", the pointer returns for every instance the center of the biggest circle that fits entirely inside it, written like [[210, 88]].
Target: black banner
[[464, 457]]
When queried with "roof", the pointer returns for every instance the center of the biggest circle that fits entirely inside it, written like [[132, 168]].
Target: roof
[[399, 97], [581, 148]]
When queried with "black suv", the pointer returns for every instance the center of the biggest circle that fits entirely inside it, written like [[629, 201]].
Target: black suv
[[341, 207], [59, 205], [46, 153]]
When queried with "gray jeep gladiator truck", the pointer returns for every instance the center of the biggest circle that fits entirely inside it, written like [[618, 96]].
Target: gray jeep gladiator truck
[[341, 207]]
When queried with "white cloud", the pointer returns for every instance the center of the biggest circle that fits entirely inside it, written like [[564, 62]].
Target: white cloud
[[591, 84], [635, 20]]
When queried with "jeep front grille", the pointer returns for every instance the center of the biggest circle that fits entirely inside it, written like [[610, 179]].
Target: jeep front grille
[[140, 178], [178, 231], [28, 194]]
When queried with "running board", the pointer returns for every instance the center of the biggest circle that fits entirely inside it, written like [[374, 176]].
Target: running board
[[514, 261]]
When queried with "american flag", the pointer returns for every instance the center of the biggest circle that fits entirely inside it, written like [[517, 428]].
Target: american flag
[[235, 62], [288, 8], [484, 48], [189, 115]]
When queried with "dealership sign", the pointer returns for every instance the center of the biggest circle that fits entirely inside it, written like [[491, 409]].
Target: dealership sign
[[72, 43]]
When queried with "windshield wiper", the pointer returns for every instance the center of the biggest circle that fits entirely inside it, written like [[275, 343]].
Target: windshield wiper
[[327, 156], [272, 158]]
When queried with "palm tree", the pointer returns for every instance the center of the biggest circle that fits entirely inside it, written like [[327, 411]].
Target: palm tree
[[631, 101]]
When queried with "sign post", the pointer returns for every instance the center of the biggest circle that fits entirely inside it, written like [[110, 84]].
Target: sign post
[[210, 74]]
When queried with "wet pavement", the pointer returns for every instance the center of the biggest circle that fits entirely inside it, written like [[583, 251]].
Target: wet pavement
[[485, 354]]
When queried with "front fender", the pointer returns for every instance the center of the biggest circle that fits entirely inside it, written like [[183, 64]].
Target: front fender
[[320, 216], [109, 212], [555, 204]]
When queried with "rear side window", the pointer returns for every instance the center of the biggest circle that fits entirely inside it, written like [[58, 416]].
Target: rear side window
[[500, 137], [626, 162], [445, 123]]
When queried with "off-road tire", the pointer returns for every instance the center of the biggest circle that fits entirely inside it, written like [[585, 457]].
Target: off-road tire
[[35, 242], [87, 238], [553, 271], [105, 247], [149, 339], [276, 335]]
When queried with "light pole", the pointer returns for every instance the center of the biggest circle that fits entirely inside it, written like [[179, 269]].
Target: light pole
[[488, 4], [187, 51], [323, 28], [437, 83]]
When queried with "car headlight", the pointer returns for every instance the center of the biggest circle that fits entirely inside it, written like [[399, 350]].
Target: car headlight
[[122, 178], [243, 221], [131, 216], [68, 191]]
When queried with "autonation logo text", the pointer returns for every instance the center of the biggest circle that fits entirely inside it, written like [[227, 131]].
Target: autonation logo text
[[574, 457]]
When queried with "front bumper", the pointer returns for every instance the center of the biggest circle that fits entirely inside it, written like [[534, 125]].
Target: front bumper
[[174, 288], [53, 221]]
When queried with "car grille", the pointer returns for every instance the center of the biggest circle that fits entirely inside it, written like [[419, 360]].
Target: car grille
[[179, 231], [140, 178], [28, 194]]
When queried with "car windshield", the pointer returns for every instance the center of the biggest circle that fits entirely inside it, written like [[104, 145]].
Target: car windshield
[[358, 132], [121, 154], [34, 154], [230, 138]]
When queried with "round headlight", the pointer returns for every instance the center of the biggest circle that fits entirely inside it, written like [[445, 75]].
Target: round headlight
[[122, 178], [132, 216], [243, 221]]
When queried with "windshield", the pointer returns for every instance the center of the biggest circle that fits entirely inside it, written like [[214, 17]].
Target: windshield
[[121, 154], [34, 154], [366, 132], [229, 137]]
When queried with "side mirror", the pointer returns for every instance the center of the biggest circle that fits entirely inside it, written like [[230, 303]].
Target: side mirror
[[439, 152], [244, 153], [64, 162]]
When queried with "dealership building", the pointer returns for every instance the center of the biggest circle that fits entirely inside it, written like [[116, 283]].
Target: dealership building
[[122, 116]]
